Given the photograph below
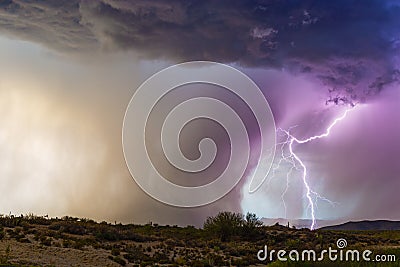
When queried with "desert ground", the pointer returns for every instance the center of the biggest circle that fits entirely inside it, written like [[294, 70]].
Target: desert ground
[[39, 241]]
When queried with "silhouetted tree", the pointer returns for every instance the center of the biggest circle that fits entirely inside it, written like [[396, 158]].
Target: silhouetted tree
[[225, 225], [251, 225]]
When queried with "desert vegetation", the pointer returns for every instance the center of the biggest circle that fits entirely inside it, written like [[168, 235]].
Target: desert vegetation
[[227, 239]]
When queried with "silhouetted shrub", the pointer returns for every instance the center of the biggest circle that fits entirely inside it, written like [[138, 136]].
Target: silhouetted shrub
[[251, 226], [135, 254], [68, 227], [224, 225]]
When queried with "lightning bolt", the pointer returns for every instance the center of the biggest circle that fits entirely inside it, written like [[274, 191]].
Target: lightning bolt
[[296, 163]]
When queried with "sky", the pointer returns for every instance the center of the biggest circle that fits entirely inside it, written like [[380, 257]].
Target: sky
[[68, 71]]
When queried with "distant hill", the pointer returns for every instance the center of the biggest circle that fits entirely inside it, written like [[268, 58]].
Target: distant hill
[[366, 225], [299, 223]]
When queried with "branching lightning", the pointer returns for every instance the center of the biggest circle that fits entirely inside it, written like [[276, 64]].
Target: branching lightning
[[296, 163]]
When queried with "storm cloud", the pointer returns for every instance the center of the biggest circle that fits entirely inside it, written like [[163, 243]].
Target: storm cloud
[[349, 46]]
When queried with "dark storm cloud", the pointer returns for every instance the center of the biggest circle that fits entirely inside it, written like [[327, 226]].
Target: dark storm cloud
[[347, 45], [53, 24]]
